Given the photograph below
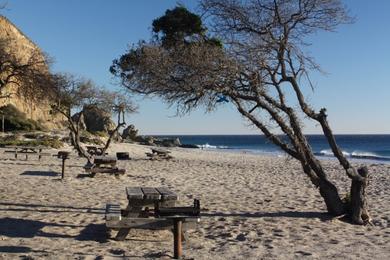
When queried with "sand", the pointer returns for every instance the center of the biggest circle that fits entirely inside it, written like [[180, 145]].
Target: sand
[[254, 207]]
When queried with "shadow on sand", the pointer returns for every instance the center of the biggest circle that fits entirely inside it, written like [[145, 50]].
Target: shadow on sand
[[30, 162], [41, 173], [49, 208], [26, 228], [281, 214], [15, 227]]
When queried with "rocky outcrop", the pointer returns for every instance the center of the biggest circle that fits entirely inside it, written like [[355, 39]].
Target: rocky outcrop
[[168, 142], [23, 48], [97, 120]]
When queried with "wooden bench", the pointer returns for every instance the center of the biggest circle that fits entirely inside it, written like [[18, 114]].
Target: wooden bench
[[164, 215]]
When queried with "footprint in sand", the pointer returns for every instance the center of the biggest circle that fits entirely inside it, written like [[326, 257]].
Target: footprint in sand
[[302, 253], [117, 251]]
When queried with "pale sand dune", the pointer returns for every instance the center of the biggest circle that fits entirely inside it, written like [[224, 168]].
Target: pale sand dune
[[256, 207]]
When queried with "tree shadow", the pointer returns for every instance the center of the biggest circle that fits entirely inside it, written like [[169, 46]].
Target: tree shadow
[[12, 161], [157, 255], [93, 232], [50, 208], [281, 214], [15, 249], [26, 228], [84, 175], [41, 173]]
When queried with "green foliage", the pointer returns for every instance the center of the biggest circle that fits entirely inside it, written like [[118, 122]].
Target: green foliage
[[87, 137], [14, 120], [48, 141], [99, 133], [177, 24]]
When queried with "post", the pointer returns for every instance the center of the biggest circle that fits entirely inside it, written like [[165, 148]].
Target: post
[[2, 123], [63, 167], [177, 230], [39, 154]]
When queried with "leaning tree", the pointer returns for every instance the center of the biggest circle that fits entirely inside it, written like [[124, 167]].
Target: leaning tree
[[73, 94], [257, 59]]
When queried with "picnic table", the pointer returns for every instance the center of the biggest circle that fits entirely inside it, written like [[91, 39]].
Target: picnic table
[[104, 164], [27, 150], [158, 153], [154, 209]]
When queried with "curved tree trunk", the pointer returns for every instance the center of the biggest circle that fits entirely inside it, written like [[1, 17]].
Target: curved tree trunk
[[329, 193], [358, 204]]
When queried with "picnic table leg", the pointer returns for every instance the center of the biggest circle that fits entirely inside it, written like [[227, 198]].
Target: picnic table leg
[[39, 154], [177, 236], [130, 211], [16, 154], [122, 234]]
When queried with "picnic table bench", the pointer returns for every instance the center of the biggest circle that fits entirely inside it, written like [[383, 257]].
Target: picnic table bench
[[154, 209], [158, 154], [36, 150], [103, 164]]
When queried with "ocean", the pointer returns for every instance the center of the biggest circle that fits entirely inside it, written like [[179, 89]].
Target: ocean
[[361, 147]]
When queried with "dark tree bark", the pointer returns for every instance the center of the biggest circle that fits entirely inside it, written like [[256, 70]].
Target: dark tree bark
[[358, 201]]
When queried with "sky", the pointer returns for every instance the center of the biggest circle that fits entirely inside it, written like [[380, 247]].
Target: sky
[[84, 36]]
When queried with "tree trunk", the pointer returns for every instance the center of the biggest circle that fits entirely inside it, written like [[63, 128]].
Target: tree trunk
[[329, 193], [358, 203], [75, 140]]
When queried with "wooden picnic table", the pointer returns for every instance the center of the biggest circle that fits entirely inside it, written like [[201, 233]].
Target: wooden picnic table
[[26, 150], [158, 153], [158, 203], [104, 164]]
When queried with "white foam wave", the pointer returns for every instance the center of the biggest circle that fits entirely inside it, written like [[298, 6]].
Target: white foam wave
[[364, 154], [207, 146], [330, 153], [356, 154]]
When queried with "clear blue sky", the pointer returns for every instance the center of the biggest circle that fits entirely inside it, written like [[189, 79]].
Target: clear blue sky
[[84, 36]]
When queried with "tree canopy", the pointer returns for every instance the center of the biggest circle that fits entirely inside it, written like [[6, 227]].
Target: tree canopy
[[261, 68]]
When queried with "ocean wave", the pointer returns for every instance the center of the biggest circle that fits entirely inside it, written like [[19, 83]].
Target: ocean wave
[[330, 153], [369, 155], [356, 155], [207, 146]]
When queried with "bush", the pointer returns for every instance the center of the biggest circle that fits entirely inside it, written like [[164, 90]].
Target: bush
[[87, 137], [99, 133], [14, 140], [14, 120]]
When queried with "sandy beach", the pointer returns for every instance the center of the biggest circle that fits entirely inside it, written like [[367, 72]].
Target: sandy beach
[[253, 207]]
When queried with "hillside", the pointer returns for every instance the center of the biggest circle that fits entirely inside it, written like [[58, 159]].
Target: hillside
[[23, 48]]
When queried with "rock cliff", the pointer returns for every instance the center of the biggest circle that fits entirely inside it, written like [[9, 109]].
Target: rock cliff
[[23, 48]]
